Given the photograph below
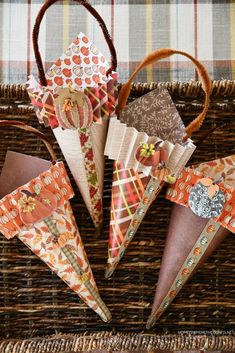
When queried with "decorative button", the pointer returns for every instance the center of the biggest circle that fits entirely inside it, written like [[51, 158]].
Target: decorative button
[[178, 283], [203, 241], [197, 251], [190, 262], [145, 201], [165, 305], [172, 294], [210, 229], [206, 199], [135, 222], [140, 212], [150, 189], [185, 272]]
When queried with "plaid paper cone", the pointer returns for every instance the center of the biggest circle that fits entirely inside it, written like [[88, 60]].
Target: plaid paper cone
[[136, 187], [73, 98], [203, 216], [127, 190], [150, 148], [35, 207]]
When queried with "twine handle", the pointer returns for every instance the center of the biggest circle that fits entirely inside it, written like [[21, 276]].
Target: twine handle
[[161, 54], [36, 132], [93, 12]]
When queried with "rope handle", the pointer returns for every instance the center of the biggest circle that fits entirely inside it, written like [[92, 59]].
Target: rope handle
[[93, 12], [34, 131], [161, 54]]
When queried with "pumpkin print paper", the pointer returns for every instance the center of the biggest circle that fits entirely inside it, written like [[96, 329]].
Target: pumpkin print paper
[[76, 103], [35, 207], [202, 217]]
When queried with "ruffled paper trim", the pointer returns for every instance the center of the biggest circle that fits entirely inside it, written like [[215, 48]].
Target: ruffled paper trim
[[54, 180], [123, 141], [180, 191]]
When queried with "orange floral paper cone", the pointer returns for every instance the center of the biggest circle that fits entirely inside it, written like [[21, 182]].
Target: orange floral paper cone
[[40, 215], [202, 217], [35, 207]]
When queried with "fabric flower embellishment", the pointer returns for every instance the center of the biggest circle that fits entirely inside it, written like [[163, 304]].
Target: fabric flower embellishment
[[34, 207], [155, 156], [147, 150], [151, 154], [206, 198], [26, 204]]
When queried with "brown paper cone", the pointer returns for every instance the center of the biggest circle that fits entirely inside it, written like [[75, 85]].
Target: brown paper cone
[[35, 207], [202, 217], [184, 231]]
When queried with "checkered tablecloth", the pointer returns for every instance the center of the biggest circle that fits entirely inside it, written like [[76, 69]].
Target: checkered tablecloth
[[205, 29]]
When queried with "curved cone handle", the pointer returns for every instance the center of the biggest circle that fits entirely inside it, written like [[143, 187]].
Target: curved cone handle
[[162, 54], [190, 241], [93, 12], [21, 125]]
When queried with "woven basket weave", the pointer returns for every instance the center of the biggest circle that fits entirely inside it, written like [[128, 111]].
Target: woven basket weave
[[35, 303]]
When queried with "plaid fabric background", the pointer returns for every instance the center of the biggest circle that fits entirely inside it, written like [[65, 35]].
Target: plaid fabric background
[[205, 29]]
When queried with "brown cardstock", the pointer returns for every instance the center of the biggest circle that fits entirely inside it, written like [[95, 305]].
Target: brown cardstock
[[19, 169], [184, 229]]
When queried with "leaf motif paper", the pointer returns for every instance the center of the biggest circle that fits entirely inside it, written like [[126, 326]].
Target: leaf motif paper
[[79, 96], [155, 114]]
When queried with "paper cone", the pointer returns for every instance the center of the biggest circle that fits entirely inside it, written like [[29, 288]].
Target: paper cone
[[191, 238], [35, 207], [151, 119], [76, 103]]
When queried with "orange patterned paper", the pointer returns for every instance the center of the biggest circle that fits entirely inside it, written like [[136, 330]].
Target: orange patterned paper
[[222, 170], [39, 213]]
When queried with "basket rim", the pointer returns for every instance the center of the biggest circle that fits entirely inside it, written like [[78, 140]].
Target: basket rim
[[105, 340], [191, 89]]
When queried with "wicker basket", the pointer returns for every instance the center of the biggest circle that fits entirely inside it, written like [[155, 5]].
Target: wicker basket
[[35, 303]]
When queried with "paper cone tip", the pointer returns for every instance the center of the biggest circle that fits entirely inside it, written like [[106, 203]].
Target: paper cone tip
[[110, 270], [151, 322], [104, 314], [108, 317]]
